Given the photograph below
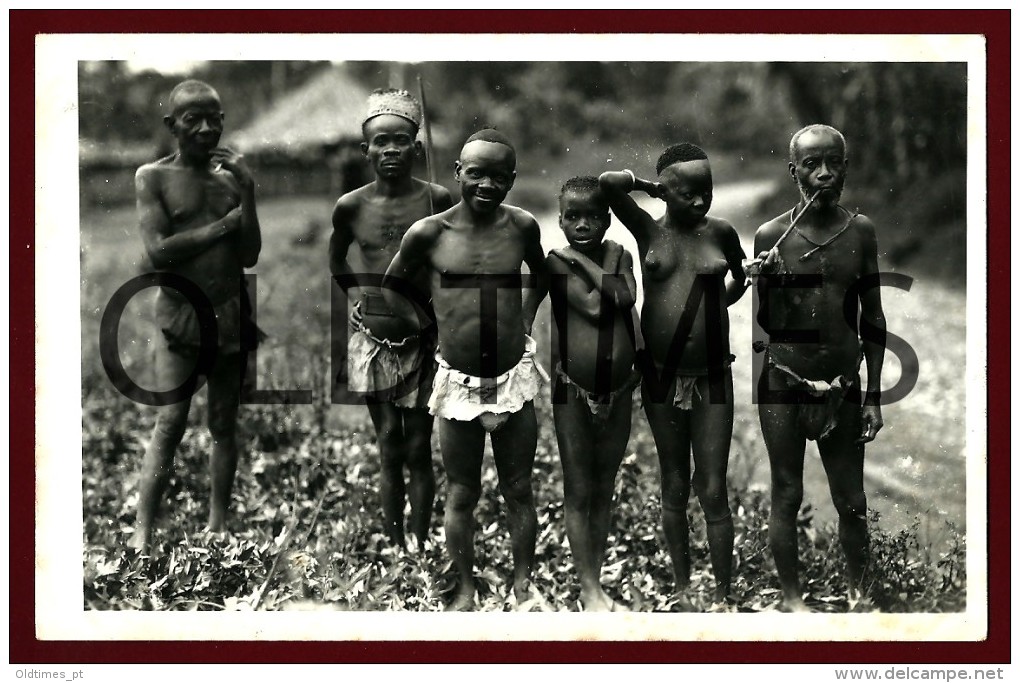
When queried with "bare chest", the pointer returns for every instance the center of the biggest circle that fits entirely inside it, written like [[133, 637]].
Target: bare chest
[[837, 258], [672, 254], [192, 200], [463, 253], [381, 225]]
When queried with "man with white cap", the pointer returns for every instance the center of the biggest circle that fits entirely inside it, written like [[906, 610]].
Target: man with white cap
[[389, 360]]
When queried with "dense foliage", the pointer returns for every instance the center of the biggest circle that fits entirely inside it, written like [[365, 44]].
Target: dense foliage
[[307, 528]]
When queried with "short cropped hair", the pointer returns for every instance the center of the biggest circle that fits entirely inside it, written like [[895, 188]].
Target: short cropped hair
[[813, 128], [189, 86], [585, 184], [685, 151], [491, 135]]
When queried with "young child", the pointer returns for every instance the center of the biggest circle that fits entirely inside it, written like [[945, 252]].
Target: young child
[[488, 375], [594, 379], [383, 348], [685, 257], [196, 212], [820, 379]]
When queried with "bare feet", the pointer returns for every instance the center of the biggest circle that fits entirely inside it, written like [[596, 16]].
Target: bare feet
[[463, 600], [618, 607], [681, 603], [208, 535], [522, 590], [724, 601], [595, 601], [527, 598], [860, 604], [725, 606], [600, 602], [793, 604]]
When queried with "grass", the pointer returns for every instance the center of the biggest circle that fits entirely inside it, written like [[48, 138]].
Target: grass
[[306, 529]]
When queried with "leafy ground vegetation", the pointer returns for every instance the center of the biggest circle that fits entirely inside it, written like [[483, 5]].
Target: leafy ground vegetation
[[311, 534], [306, 529]]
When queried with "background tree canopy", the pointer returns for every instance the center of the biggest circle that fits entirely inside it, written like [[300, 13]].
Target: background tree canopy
[[905, 122]]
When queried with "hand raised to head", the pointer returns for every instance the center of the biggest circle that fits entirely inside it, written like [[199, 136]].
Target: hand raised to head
[[657, 190]]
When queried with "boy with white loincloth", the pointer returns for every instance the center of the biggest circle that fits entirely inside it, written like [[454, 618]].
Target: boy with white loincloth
[[488, 375]]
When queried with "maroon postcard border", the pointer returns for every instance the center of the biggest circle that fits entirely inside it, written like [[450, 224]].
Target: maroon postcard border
[[26, 25]]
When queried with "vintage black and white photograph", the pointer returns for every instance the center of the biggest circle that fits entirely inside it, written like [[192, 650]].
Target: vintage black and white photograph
[[691, 338]]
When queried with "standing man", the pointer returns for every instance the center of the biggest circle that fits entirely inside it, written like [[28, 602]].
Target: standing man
[[488, 376], [813, 289], [196, 213], [385, 349]]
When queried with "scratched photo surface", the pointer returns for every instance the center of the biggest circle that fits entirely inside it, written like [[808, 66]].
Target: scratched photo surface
[[305, 554]]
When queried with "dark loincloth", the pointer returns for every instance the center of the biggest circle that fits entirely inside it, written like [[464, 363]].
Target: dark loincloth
[[600, 405], [236, 332], [381, 368], [817, 419]]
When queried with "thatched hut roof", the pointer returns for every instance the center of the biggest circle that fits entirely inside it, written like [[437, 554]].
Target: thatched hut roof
[[327, 110]]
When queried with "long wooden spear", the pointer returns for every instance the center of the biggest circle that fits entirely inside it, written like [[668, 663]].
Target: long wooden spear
[[428, 141]]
